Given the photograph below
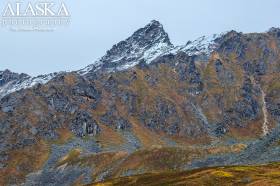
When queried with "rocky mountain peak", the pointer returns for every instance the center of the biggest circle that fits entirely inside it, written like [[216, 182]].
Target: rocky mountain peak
[[145, 44], [152, 35]]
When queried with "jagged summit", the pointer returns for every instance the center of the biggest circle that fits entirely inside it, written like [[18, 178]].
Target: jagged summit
[[151, 36], [146, 44], [151, 33]]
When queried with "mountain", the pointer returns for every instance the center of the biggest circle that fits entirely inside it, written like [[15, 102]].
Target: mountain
[[145, 106]]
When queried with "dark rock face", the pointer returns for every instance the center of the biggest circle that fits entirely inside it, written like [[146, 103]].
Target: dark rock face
[[248, 67], [274, 109], [86, 90], [255, 68], [151, 80], [243, 111], [84, 125], [261, 68], [129, 99], [58, 101], [188, 72], [273, 103], [113, 120], [5, 130], [232, 43], [165, 108], [8, 103], [111, 84], [248, 108], [163, 118]]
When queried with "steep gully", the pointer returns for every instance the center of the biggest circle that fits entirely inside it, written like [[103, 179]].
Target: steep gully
[[265, 116], [265, 129]]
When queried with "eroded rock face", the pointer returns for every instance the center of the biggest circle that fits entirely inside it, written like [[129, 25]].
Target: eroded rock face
[[164, 117], [273, 103], [232, 43], [248, 107], [113, 120], [84, 125], [189, 73], [9, 103], [58, 101], [130, 99]]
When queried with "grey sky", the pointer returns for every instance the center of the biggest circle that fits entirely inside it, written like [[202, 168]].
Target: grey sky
[[98, 24]]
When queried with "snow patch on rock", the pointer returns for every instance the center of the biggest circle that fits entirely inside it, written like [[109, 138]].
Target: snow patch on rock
[[27, 82]]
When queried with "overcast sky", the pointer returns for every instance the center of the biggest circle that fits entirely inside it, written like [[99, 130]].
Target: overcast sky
[[98, 24]]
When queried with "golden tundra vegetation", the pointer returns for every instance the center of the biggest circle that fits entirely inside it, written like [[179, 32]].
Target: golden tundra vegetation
[[262, 175]]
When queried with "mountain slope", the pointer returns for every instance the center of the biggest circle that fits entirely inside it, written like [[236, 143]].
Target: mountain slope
[[146, 106]]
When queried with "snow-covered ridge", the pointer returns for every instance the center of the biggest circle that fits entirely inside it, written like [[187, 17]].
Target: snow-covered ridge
[[131, 60], [23, 83], [146, 55], [138, 48], [204, 45], [145, 45]]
